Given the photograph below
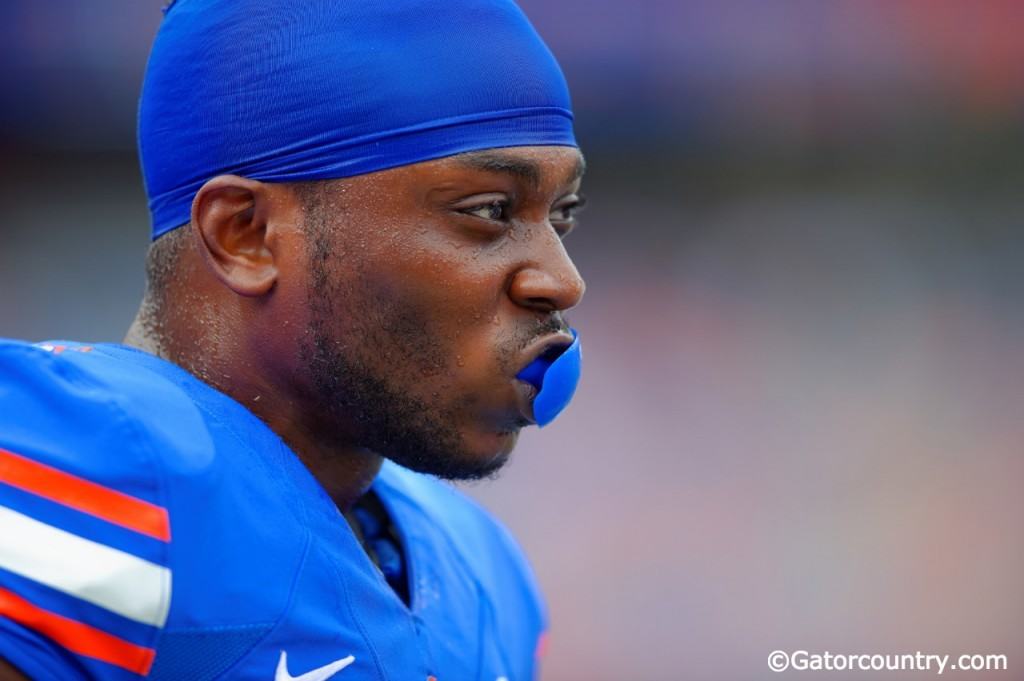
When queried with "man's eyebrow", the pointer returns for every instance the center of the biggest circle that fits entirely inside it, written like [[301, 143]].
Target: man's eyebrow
[[496, 162]]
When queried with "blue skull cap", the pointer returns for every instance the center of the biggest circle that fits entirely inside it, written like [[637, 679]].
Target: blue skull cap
[[286, 91]]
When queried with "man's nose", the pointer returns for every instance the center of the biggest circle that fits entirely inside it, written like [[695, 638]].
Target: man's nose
[[548, 281]]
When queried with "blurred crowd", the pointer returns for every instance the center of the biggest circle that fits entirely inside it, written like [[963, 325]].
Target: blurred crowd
[[802, 413]]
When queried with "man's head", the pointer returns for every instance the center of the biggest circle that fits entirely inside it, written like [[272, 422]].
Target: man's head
[[389, 308]]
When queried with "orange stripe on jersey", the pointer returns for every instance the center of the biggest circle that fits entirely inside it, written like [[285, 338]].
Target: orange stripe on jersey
[[82, 495], [77, 637]]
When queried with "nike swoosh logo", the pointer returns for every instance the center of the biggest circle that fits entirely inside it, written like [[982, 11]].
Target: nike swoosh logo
[[319, 674]]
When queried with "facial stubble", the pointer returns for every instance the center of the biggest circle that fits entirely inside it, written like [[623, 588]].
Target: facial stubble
[[362, 370]]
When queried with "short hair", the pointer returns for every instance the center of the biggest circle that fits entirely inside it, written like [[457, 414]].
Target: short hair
[[162, 260]]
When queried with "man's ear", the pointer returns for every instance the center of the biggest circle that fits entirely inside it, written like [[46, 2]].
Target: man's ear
[[230, 215]]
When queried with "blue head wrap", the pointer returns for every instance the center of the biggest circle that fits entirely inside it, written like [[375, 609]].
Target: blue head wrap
[[292, 90]]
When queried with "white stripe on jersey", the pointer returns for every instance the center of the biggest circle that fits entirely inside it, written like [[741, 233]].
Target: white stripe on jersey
[[112, 579]]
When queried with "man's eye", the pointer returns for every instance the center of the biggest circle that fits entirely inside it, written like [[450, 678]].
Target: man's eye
[[563, 213], [495, 210], [564, 217], [567, 211]]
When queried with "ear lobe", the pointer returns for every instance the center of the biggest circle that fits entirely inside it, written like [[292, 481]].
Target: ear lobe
[[229, 221]]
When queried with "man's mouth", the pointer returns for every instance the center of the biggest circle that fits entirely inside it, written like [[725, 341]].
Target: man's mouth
[[539, 355], [554, 374], [534, 362]]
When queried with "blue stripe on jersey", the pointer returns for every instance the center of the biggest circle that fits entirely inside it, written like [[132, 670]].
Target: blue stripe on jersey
[[40, 660], [74, 608], [84, 525], [31, 654]]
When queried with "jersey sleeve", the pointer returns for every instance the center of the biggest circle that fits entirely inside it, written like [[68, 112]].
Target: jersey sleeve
[[85, 585]]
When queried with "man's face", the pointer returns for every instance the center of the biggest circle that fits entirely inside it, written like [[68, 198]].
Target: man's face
[[430, 287]]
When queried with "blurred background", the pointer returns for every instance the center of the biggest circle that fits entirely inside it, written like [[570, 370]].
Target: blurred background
[[801, 424]]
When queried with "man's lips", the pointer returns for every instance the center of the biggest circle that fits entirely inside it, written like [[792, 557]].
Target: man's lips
[[525, 394], [548, 347], [536, 358]]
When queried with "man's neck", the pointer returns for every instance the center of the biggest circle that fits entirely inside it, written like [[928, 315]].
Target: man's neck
[[345, 472]]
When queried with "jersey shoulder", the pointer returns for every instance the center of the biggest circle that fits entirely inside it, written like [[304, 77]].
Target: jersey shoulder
[[118, 478], [85, 583], [68, 400]]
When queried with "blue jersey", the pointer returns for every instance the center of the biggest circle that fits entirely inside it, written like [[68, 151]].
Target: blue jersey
[[152, 527]]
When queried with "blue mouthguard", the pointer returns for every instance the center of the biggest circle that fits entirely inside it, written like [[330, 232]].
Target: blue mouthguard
[[555, 380]]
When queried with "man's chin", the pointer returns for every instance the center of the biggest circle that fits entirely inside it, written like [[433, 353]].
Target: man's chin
[[481, 456]]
